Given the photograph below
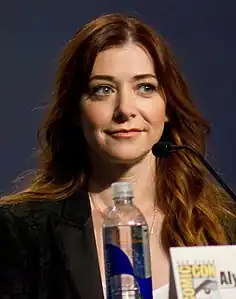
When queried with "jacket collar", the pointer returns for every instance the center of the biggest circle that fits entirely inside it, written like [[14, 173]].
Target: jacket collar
[[73, 230]]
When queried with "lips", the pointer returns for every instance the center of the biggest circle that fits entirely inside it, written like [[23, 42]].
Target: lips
[[124, 133]]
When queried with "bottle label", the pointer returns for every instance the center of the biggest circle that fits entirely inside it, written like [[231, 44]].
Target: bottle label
[[127, 262]]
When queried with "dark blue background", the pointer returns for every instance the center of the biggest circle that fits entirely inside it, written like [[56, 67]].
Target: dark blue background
[[200, 33]]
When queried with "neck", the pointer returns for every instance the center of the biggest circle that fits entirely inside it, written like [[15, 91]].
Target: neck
[[142, 175]]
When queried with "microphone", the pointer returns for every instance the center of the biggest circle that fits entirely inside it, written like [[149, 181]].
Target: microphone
[[163, 149]]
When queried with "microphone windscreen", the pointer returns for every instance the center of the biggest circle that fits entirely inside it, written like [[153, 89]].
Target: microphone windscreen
[[161, 149]]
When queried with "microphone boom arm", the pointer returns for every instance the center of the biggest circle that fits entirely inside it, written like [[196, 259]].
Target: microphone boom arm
[[208, 166]]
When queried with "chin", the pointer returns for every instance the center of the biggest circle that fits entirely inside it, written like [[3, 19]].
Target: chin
[[126, 157]]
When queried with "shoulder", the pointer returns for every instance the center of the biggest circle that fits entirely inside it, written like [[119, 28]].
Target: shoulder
[[21, 237], [33, 214], [22, 224], [25, 240], [26, 214]]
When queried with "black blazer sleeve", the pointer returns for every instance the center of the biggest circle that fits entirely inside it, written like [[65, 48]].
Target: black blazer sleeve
[[18, 255], [30, 264], [48, 250]]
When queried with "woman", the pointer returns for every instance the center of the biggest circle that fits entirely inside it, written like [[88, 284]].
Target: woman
[[118, 92]]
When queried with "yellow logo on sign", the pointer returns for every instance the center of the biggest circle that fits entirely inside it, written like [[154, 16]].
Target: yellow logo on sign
[[197, 277]]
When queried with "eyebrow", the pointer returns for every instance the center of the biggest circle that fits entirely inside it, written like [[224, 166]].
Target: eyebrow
[[111, 78]]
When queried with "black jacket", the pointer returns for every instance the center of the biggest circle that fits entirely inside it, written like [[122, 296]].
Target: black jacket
[[48, 250]]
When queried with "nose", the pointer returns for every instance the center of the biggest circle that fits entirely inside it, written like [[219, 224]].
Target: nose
[[125, 105]]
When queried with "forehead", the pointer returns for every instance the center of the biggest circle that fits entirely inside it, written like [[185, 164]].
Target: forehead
[[127, 60]]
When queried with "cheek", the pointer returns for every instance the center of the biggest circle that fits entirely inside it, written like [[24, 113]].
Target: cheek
[[155, 112], [95, 116]]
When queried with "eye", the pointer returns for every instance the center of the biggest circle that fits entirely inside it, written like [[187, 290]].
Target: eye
[[102, 90], [147, 88]]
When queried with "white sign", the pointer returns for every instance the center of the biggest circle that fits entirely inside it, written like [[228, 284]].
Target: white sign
[[203, 272]]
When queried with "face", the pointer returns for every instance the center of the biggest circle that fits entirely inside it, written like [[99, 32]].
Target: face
[[123, 114]]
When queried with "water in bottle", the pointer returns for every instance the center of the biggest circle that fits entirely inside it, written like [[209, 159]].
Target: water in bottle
[[126, 248]]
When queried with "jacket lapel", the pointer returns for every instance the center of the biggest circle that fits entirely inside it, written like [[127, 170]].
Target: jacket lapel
[[74, 236]]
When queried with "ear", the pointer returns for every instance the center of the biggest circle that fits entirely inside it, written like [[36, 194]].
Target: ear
[[166, 119]]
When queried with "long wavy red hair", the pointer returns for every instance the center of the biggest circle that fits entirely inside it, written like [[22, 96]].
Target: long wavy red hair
[[196, 211]]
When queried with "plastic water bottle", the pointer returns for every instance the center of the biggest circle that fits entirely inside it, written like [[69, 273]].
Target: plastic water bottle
[[126, 248]]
